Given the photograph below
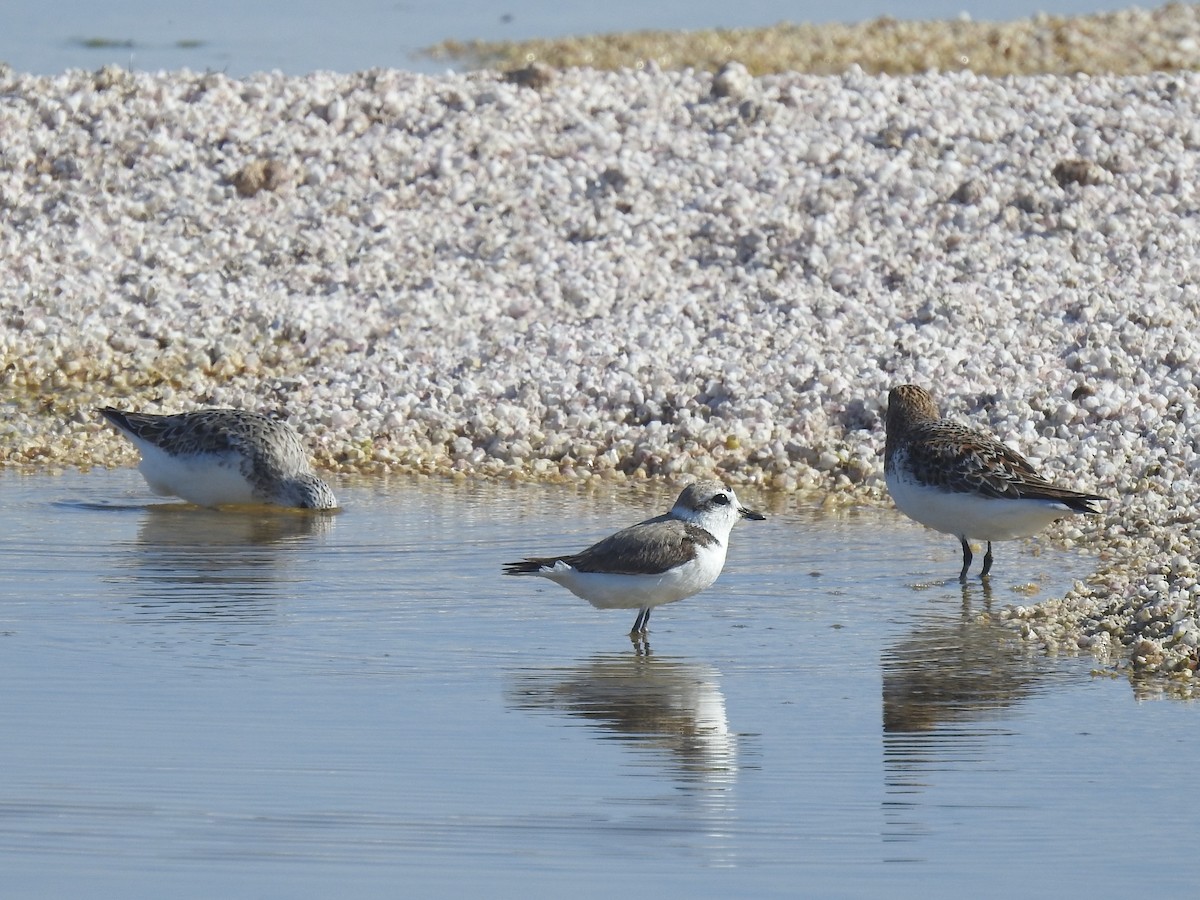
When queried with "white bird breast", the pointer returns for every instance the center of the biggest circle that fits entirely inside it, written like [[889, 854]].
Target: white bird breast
[[208, 480], [606, 590], [973, 516]]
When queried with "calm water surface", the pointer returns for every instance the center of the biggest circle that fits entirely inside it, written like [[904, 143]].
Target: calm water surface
[[299, 36], [201, 704]]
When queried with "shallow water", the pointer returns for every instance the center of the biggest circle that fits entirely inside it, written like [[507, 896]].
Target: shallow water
[[288, 705], [300, 36]]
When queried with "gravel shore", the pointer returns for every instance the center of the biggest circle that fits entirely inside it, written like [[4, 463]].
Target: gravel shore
[[586, 275], [1127, 42]]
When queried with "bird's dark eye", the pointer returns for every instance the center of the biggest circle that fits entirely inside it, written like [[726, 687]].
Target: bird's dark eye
[[721, 499]]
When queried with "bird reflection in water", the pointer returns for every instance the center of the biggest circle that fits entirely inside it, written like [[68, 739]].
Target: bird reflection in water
[[938, 686], [190, 562], [670, 705], [952, 671]]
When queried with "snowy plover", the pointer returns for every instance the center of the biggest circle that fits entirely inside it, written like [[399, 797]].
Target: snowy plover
[[658, 561]]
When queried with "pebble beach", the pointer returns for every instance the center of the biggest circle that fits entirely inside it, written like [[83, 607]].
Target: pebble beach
[[608, 276]]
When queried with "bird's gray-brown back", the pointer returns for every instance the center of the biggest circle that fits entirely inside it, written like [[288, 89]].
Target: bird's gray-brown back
[[273, 445], [648, 548]]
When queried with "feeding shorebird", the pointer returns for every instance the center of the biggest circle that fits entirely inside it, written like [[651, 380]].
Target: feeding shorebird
[[966, 483], [658, 561], [215, 457]]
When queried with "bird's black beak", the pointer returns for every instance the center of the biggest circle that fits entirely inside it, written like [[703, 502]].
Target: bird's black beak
[[750, 514]]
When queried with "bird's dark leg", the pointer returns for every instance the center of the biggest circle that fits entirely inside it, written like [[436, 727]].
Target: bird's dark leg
[[987, 562], [639, 624], [967, 557]]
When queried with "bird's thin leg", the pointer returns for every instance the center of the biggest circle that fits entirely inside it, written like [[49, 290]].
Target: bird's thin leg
[[967, 557], [987, 562], [639, 624]]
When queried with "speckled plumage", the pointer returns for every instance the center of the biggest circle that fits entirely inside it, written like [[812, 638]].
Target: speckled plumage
[[661, 560], [964, 482], [216, 457]]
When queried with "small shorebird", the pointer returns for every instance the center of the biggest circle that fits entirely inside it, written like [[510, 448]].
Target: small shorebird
[[965, 483], [658, 561], [215, 457]]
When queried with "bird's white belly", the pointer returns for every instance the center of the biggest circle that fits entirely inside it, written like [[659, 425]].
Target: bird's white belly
[[211, 480], [610, 591], [973, 516]]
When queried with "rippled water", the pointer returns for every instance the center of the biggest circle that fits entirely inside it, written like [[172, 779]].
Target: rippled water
[[201, 704]]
